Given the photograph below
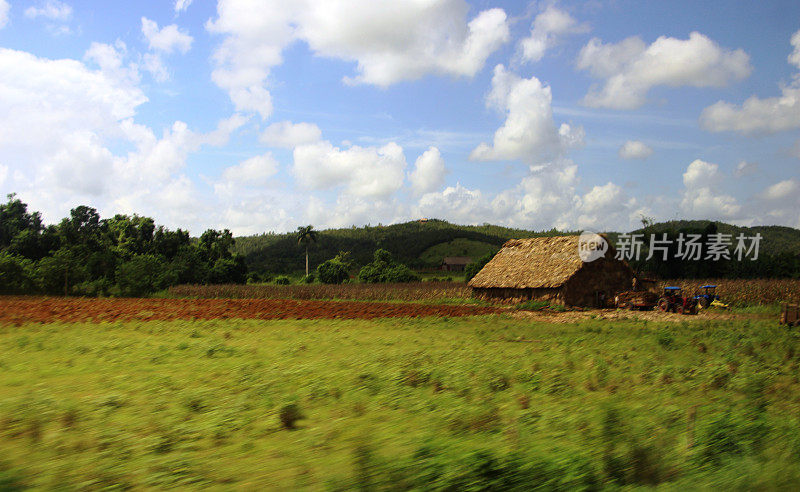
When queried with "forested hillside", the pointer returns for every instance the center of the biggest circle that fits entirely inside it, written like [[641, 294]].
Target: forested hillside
[[422, 244], [280, 253], [778, 252]]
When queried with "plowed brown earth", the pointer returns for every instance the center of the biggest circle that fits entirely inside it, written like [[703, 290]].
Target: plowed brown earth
[[17, 310]]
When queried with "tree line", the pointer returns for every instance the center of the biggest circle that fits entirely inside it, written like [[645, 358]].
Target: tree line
[[277, 253], [124, 255], [781, 260]]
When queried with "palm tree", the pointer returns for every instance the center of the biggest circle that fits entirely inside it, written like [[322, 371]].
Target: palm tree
[[306, 235]]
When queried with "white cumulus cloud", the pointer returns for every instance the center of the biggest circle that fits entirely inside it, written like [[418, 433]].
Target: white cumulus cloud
[[700, 173], [247, 183], [168, 39], [756, 115], [429, 172], [794, 57], [390, 41], [62, 125], [631, 68], [182, 5], [702, 198], [375, 172], [548, 27], [605, 207], [288, 134], [781, 190], [164, 41], [634, 149], [255, 171], [529, 133], [456, 204], [52, 10]]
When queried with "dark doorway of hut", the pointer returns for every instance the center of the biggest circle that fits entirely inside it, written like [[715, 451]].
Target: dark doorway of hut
[[600, 299]]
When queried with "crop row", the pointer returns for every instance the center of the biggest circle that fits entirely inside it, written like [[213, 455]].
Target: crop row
[[741, 292], [414, 291], [737, 292]]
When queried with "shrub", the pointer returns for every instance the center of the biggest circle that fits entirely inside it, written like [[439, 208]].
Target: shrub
[[289, 414], [143, 274], [307, 279], [257, 278], [282, 280], [15, 274], [332, 272], [473, 268], [384, 269], [229, 271]]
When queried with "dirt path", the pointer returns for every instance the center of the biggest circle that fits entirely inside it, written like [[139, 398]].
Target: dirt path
[[620, 314], [43, 309]]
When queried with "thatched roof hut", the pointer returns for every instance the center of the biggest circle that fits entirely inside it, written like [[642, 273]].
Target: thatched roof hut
[[550, 268]]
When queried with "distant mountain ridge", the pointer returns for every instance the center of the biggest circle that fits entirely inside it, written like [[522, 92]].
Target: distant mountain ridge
[[409, 241]]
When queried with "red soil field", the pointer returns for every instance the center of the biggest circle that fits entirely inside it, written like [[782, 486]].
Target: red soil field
[[16, 310]]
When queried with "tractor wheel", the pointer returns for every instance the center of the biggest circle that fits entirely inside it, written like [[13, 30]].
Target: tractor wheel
[[679, 310], [663, 305], [704, 302]]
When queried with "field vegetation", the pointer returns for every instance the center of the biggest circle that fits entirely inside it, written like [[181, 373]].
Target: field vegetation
[[745, 292], [737, 292], [408, 292], [482, 403]]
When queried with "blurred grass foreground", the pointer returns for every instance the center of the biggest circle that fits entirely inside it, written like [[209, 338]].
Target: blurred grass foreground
[[481, 403]]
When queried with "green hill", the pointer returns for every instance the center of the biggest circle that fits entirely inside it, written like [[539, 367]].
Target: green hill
[[423, 244], [409, 243], [457, 247]]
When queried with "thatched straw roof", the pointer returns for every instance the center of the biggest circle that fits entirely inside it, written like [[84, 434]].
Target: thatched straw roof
[[539, 262]]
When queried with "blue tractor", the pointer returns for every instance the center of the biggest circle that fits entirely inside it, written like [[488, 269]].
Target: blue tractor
[[708, 296]]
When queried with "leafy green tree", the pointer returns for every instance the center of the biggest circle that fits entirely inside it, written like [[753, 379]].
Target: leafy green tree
[[15, 274], [29, 243], [143, 274], [169, 243], [384, 269], [229, 271], [473, 268], [130, 236], [83, 227], [305, 236], [59, 272], [332, 272], [215, 245], [189, 266], [14, 218]]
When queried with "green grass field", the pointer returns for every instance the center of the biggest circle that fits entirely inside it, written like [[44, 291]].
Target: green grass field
[[451, 404]]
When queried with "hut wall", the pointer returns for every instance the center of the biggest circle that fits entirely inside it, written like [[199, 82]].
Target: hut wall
[[552, 295], [598, 280]]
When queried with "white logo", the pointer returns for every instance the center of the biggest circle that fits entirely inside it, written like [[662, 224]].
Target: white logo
[[592, 246]]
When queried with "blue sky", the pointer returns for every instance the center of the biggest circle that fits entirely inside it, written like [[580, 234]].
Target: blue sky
[[264, 115]]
